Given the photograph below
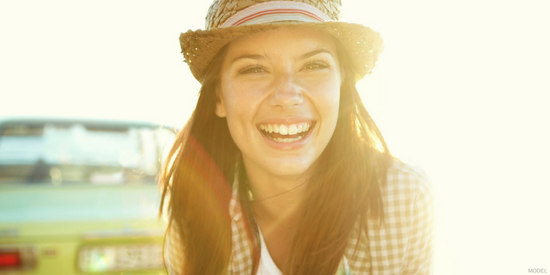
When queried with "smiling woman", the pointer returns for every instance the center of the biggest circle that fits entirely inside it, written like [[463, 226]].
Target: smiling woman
[[280, 168]]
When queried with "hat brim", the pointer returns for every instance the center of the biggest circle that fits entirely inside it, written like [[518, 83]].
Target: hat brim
[[362, 44]]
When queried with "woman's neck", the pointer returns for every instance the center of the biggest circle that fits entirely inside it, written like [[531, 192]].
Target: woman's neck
[[277, 206], [276, 198]]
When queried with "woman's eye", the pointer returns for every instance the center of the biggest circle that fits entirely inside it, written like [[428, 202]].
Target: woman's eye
[[251, 70], [315, 65]]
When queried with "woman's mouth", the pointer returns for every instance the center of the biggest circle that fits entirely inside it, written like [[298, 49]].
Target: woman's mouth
[[286, 133]]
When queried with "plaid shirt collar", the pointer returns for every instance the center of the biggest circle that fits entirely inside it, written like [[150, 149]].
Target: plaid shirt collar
[[242, 249]]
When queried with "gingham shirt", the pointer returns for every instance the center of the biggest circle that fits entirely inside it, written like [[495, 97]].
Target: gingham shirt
[[403, 244]]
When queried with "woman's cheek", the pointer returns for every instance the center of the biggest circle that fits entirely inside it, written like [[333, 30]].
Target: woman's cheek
[[242, 106], [326, 91]]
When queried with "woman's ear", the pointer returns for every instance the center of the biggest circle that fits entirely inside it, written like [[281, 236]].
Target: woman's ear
[[220, 104]]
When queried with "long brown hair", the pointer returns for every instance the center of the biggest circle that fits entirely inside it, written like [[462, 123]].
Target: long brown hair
[[202, 164]]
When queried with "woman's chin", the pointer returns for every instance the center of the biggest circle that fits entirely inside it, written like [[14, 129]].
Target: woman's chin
[[291, 169]]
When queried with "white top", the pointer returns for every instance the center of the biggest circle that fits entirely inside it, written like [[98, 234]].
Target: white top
[[267, 265]]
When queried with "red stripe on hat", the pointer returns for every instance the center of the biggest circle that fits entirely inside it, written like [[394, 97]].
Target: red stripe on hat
[[276, 11]]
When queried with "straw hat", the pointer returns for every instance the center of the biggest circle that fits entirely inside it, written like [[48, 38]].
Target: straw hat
[[229, 19]]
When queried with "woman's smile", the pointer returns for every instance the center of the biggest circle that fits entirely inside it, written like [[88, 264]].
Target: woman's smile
[[286, 132], [287, 136]]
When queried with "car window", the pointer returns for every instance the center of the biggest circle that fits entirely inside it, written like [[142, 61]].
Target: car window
[[66, 153]]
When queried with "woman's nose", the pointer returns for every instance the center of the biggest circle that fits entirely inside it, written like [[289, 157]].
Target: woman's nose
[[286, 93]]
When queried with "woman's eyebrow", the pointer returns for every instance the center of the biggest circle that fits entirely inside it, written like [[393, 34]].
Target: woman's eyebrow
[[312, 53], [251, 56], [304, 56]]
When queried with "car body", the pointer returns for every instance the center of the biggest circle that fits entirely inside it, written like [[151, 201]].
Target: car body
[[79, 196]]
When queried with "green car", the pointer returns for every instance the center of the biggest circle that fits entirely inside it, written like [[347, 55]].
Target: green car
[[80, 196]]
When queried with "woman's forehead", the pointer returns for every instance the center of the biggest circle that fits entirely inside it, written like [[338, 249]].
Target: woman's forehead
[[287, 41]]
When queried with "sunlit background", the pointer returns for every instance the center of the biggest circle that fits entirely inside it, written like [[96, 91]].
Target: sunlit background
[[461, 89]]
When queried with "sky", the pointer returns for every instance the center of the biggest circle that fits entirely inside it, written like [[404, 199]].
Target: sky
[[461, 88]]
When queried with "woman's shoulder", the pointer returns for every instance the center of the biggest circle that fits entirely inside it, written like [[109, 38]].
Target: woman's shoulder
[[407, 180], [403, 242]]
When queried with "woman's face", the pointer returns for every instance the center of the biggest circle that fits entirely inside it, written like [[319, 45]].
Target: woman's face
[[280, 92]]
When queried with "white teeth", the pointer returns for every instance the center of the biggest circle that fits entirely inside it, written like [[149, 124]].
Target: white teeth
[[292, 130], [286, 140], [285, 130]]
